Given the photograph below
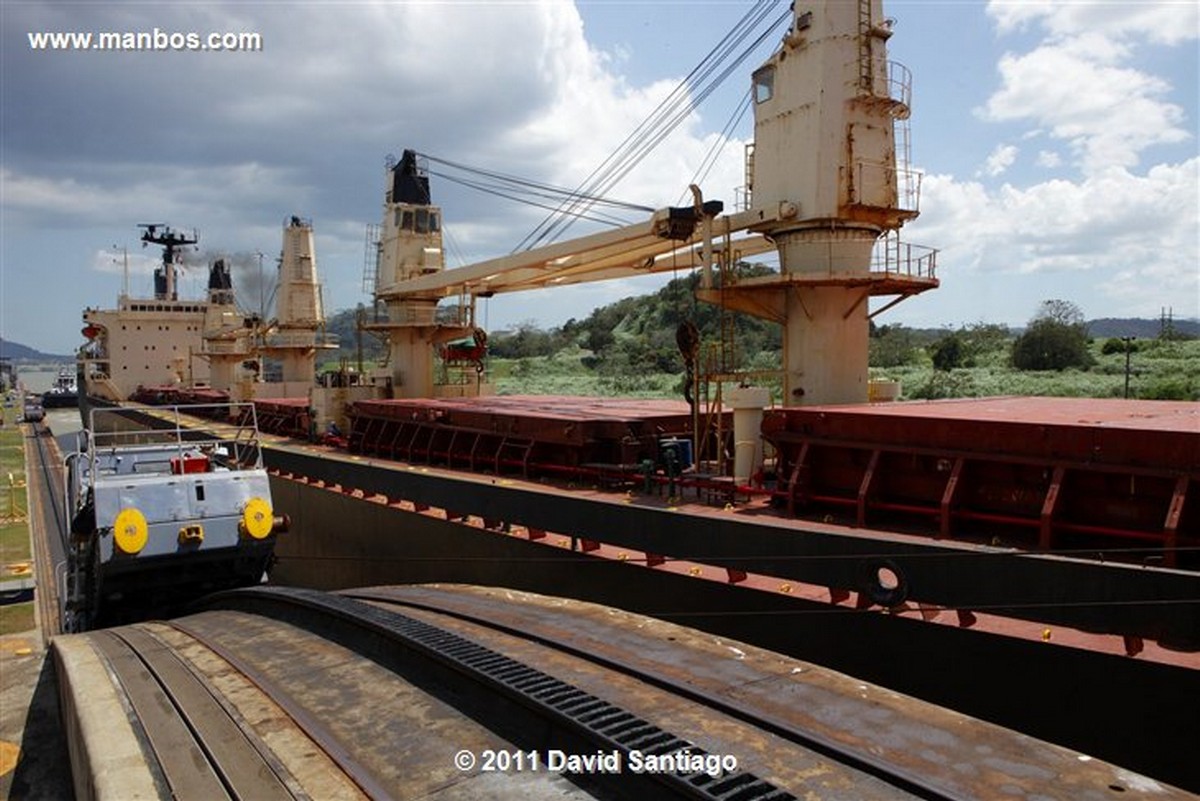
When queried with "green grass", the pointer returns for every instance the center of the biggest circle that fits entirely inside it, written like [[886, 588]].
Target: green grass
[[1159, 370], [12, 462], [16, 618], [14, 543]]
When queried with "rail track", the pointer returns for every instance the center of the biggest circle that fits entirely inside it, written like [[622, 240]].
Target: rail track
[[379, 693], [46, 515]]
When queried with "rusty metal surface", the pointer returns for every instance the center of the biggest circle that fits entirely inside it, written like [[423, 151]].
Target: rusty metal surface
[[964, 757], [1125, 433], [302, 762], [181, 759], [289, 417], [401, 736], [531, 708], [553, 407], [170, 394], [792, 766], [557, 419], [235, 753], [281, 404], [1039, 473], [517, 433], [1077, 592]]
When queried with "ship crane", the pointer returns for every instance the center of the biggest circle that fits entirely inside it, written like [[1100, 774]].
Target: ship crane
[[828, 188]]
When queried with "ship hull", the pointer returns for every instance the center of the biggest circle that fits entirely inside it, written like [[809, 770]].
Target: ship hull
[[1133, 712], [1096, 655]]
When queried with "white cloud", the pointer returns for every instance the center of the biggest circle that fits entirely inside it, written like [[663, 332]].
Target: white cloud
[[1107, 114], [1048, 158], [116, 262], [233, 143], [1000, 159], [1121, 232], [123, 194], [1170, 22], [1134, 235]]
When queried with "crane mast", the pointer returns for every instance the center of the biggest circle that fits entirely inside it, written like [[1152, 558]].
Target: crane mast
[[828, 188]]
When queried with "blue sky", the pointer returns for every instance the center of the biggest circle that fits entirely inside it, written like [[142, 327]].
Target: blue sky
[[1058, 142]]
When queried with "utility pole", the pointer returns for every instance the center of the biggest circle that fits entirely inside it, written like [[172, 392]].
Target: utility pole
[[1128, 350]]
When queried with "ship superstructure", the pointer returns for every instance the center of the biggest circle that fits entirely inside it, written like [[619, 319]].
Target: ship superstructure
[[169, 350], [152, 341], [296, 334]]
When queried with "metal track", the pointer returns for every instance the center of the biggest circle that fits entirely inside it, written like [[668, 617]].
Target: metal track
[[201, 751], [314, 729], [888, 771], [50, 548], [594, 721]]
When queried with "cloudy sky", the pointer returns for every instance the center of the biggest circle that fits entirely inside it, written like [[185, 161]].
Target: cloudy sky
[[1058, 142]]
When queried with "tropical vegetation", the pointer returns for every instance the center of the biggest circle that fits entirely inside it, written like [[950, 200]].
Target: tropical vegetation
[[630, 348]]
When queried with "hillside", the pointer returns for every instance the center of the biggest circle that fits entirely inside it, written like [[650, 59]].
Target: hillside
[[23, 353], [1141, 328]]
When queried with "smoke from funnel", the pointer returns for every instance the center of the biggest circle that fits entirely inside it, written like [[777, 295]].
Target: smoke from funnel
[[254, 288]]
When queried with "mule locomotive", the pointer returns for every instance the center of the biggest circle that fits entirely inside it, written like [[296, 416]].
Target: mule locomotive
[[162, 516]]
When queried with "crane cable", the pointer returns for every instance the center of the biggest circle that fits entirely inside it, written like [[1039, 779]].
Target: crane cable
[[696, 87], [666, 116], [710, 159]]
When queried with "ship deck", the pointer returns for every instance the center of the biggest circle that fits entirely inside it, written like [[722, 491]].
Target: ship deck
[[1157, 434], [535, 432], [1041, 473]]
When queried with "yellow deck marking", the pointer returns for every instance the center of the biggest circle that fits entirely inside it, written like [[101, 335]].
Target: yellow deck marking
[[10, 753], [17, 646]]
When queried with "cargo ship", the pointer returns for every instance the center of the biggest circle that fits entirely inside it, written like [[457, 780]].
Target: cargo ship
[[156, 340], [1030, 561]]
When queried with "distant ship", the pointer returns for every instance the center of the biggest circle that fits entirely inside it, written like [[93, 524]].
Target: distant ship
[[164, 350], [64, 393], [156, 341]]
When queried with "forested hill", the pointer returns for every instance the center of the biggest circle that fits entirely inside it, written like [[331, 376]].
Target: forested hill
[[23, 353], [642, 330], [634, 330], [639, 332], [1142, 328]]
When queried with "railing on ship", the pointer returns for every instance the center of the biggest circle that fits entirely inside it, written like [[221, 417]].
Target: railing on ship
[[301, 339], [899, 86], [894, 257]]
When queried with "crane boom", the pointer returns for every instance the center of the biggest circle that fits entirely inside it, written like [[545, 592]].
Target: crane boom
[[637, 249]]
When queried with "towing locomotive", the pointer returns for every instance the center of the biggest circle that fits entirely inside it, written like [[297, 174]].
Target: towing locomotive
[[161, 516]]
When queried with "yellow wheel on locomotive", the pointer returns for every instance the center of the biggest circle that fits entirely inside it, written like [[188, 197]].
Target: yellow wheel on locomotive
[[257, 518], [130, 532]]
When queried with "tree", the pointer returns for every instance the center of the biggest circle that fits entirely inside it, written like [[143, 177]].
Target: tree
[[1062, 312], [969, 346], [948, 352], [892, 346], [1055, 339]]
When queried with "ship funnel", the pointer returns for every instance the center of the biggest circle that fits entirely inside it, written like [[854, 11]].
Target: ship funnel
[[410, 183]]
